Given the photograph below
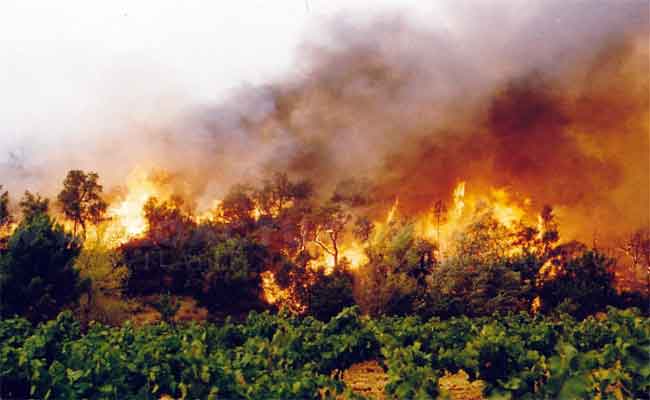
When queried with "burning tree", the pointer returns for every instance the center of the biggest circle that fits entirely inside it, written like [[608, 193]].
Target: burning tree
[[637, 247], [329, 223], [81, 200]]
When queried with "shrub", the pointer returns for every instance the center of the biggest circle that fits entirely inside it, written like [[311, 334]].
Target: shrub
[[233, 273], [37, 277], [583, 285], [329, 294]]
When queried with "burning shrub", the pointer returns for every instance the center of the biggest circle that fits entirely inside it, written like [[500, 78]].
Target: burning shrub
[[490, 269]]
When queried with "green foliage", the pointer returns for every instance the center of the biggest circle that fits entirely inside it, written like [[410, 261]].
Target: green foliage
[[288, 359], [477, 290], [411, 374], [80, 199], [284, 356], [233, 273], [585, 284], [32, 205], [394, 279], [167, 307], [329, 294], [37, 277]]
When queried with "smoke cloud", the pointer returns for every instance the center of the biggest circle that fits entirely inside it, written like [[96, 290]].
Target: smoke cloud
[[550, 101]]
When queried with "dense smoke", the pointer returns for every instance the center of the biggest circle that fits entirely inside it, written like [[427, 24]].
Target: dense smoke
[[551, 104]]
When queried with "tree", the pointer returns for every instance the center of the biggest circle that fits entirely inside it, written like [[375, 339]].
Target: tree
[[394, 279], [237, 208], [37, 277], [167, 222], [482, 274], [5, 218], [637, 247], [282, 208], [279, 193], [584, 283], [81, 200], [363, 229], [329, 222], [5, 215], [233, 273], [329, 294], [32, 205], [476, 290]]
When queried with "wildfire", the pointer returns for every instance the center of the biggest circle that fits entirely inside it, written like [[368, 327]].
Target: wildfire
[[274, 294], [505, 211], [127, 216], [393, 210], [355, 254], [459, 199], [442, 226]]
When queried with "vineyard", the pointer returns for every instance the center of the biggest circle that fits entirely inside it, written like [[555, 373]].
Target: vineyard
[[371, 200], [283, 356]]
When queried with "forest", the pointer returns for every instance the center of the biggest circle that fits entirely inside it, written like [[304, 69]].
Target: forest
[[277, 289]]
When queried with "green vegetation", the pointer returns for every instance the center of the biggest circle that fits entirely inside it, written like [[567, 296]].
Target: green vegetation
[[511, 306], [81, 201], [37, 277], [282, 356]]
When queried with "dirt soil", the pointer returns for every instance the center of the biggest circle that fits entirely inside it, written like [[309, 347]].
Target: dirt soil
[[368, 379]]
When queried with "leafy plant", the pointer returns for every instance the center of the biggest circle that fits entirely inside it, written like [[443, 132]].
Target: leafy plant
[[37, 276]]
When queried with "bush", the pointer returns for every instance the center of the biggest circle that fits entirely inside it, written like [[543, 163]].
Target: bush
[[233, 273], [329, 294], [476, 290], [37, 277], [583, 286], [393, 281]]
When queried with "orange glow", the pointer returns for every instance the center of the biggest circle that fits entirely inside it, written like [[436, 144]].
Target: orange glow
[[356, 255], [459, 199], [391, 213], [274, 294], [127, 216], [505, 211]]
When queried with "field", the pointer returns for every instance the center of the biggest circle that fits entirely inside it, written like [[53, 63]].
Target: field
[[285, 357]]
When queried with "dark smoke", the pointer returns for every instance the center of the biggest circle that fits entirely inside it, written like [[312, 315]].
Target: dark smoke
[[552, 105]]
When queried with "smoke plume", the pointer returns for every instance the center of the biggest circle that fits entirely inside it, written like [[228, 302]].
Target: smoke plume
[[551, 103]]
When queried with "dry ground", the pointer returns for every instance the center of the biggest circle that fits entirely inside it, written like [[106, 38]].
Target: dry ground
[[368, 379]]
